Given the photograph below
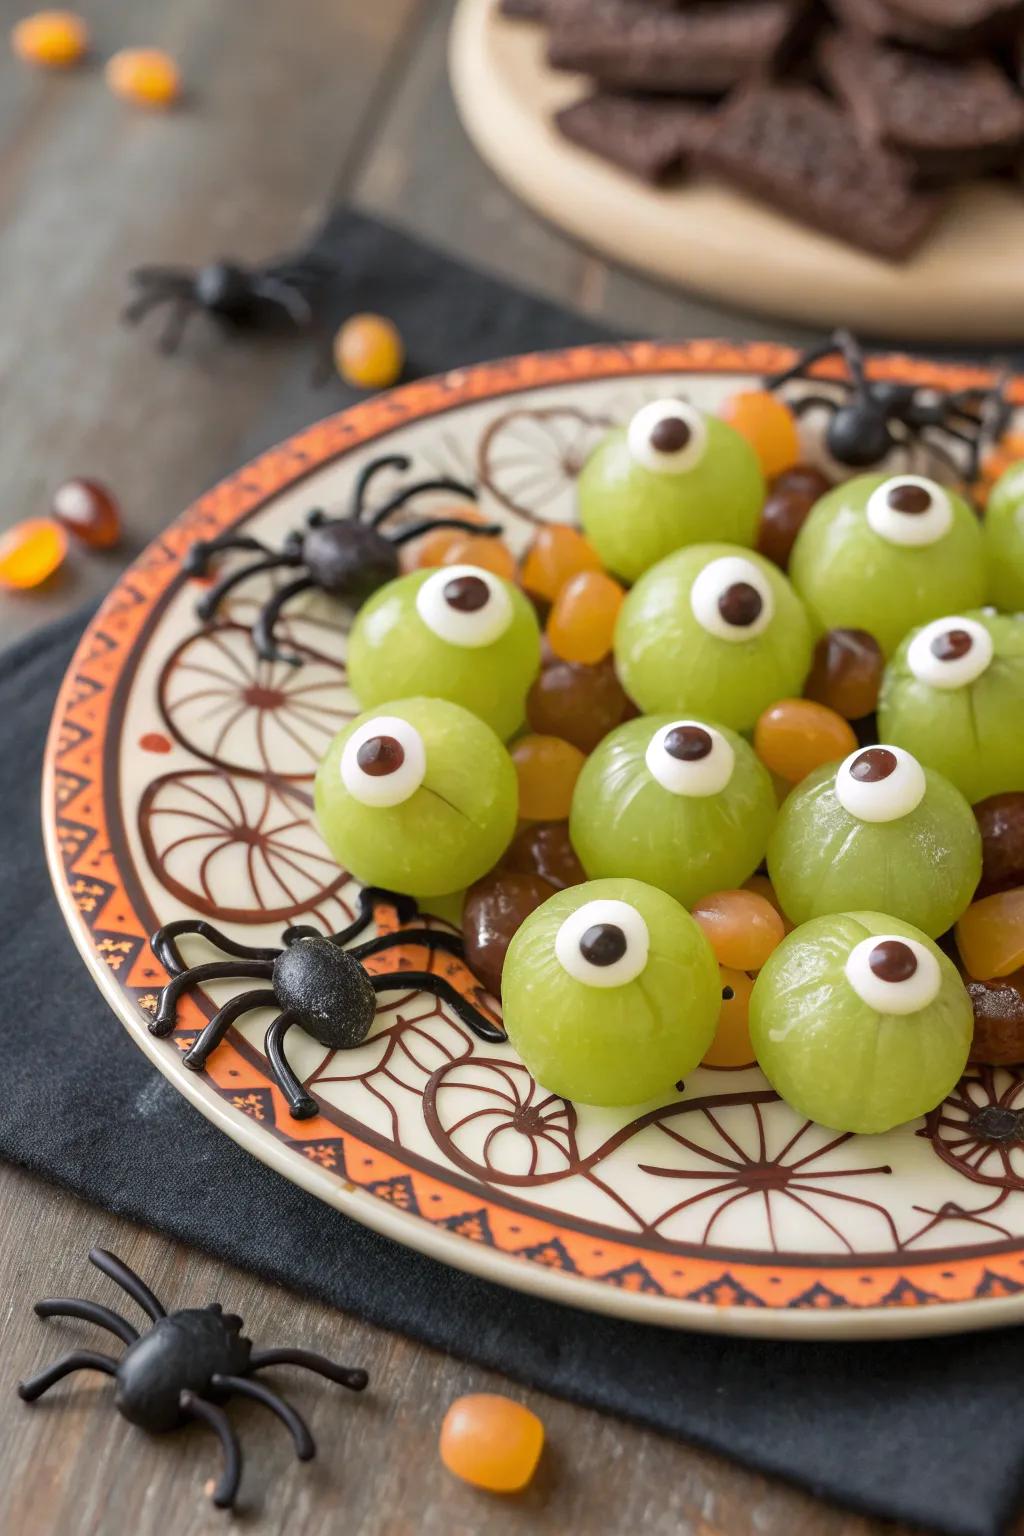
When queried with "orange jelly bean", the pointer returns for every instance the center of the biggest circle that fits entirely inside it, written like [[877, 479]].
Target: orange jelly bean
[[769, 426], [491, 1442], [990, 935], [368, 352], [762, 886], [731, 1046], [432, 548], [31, 551], [742, 928], [51, 39], [488, 553], [547, 769], [556, 555], [795, 736], [147, 77], [581, 625]]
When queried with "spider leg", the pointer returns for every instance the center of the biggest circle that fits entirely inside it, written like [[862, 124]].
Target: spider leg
[[414, 530], [171, 336], [263, 629], [451, 943], [78, 1360], [142, 303], [370, 897], [128, 1280], [369, 472], [215, 1418], [167, 1007], [442, 483], [168, 277], [286, 296], [426, 981], [345, 1375], [90, 1312], [164, 945], [305, 1447], [211, 601], [196, 1058], [806, 360], [198, 557], [300, 1105]]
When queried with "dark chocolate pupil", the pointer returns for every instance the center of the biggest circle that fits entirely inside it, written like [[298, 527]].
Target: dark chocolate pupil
[[893, 961], [740, 604], [603, 944], [467, 594], [670, 434], [688, 743], [380, 755], [873, 765], [913, 499], [952, 645]]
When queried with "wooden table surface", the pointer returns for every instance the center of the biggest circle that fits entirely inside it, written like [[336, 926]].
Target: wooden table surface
[[291, 107]]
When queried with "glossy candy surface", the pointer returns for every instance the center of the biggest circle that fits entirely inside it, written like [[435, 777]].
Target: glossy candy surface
[[50, 39], [89, 511], [768, 425], [673, 477], [670, 658], [368, 352], [618, 1043], [990, 935], [998, 1019], [581, 625], [495, 908], [795, 736], [547, 769], [398, 645], [543, 848], [742, 927], [782, 516], [147, 77], [1004, 539], [30, 552], [1000, 820], [579, 703], [432, 548], [625, 821], [731, 1046], [446, 830], [489, 554], [492, 1442], [846, 673], [834, 1056], [556, 555]]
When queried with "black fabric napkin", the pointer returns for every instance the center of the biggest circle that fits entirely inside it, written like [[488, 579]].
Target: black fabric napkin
[[930, 1432]]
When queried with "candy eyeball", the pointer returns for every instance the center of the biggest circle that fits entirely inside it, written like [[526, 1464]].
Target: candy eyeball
[[384, 761], [458, 633], [668, 437], [893, 974], [880, 783], [950, 653], [681, 804], [465, 606], [603, 944], [610, 993], [910, 510], [732, 599], [690, 758]]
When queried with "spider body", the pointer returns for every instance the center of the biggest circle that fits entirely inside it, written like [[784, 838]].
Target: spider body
[[312, 982], [184, 1367], [347, 557]]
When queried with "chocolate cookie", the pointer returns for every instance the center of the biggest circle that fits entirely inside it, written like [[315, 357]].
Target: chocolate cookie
[[943, 26], [794, 149], [652, 137]]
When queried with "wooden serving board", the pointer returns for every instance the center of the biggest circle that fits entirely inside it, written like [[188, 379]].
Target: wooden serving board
[[965, 284]]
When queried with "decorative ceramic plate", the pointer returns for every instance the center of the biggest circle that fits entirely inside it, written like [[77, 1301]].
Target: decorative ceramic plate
[[178, 784]]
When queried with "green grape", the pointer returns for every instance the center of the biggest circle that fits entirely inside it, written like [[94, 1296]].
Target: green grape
[[455, 633], [856, 567], [713, 631], [835, 1047], [953, 694], [418, 796], [610, 992], [921, 863], [638, 503], [1004, 540], [685, 806]]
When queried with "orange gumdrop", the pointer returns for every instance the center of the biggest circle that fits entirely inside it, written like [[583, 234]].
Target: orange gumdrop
[[990, 935], [368, 352], [147, 77], [556, 555], [769, 426], [432, 547], [547, 769], [762, 886], [581, 625], [795, 736], [50, 39], [741, 926], [731, 1046], [491, 1442], [490, 554], [31, 551]]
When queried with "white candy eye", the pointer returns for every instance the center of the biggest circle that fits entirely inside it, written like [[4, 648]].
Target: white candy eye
[[668, 437], [910, 510], [689, 758], [880, 783], [384, 761], [732, 599], [894, 975], [950, 653], [603, 944], [465, 605]]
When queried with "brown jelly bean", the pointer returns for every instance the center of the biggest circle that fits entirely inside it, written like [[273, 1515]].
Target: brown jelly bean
[[580, 704], [998, 1019], [88, 510], [846, 673], [1001, 822], [495, 907], [543, 848], [804, 479], [782, 516]]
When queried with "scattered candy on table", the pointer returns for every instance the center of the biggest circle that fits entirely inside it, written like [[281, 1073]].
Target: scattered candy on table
[[31, 551], [368, 352], [89, 512], [146, 77], [492, 1442], [51, 39]]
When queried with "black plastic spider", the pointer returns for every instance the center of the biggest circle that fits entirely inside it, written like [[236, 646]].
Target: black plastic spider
[[183, 1368], [236, 295], [879, 415], [314, 982], [347, 557]]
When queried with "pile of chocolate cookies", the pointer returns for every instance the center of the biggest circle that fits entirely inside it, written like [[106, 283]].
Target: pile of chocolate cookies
[[854, 116]]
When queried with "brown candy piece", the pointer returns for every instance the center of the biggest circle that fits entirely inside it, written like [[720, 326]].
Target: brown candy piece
[[581, 704], [543, 848], [846, 673], [806, 479], [998, 1019], [495, 908], [782, 516], [1000, 820], [88, 510]]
